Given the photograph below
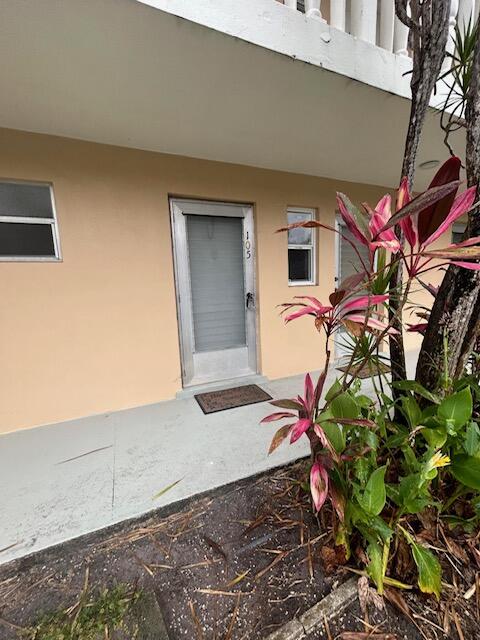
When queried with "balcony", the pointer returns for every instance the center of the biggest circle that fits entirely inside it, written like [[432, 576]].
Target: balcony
[[252, 82], [361, 39]]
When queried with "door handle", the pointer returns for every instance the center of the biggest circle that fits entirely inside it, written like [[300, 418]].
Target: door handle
[[250, 301]]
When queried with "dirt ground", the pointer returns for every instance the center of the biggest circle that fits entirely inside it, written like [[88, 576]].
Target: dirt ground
[[234, 564]]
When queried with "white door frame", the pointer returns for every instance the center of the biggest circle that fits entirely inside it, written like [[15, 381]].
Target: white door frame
[[191, 374]]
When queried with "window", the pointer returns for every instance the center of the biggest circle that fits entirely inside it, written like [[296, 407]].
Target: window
[[28, 225], [301, 248], [458, 230]]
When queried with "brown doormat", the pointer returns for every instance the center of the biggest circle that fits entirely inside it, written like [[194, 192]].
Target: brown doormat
[[214, 401], [366, 371]]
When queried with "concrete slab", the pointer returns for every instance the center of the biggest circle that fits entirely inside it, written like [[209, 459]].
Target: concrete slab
[[63, 480]]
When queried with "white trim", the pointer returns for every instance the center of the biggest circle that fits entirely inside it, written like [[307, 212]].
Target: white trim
[[308, 247], [53, 222]]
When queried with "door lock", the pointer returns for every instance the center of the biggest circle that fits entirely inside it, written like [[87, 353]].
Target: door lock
[[250, 301]]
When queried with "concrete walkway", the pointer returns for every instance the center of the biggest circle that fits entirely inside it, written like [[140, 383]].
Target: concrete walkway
[[63, 480]]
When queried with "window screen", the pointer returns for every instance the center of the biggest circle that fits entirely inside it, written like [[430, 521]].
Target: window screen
[[28, 228], [301, 248]]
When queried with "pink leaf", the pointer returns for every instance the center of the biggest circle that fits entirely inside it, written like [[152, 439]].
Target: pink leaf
[[381, 215], [406, 224], [372, 323], [390, 244], [299, 429], [319, 387], [422, 202], [280, 415], [349, 220], [431, 217], [304, 311], [316, 304], [461, 205], [338, 501], [318, 485], [403, 194], [351, 282], [279, 437], [421, 327], [363, 302], [473, 266], [466, 243], [309, 393]]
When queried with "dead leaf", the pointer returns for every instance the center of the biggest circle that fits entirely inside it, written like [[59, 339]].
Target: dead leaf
[[215, 546], [395, 597]]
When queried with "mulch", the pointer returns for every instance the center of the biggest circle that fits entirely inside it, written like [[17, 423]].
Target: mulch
[[233, 564]]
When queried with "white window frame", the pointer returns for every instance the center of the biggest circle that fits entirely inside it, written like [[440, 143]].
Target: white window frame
[[312, 248], [32, 220]]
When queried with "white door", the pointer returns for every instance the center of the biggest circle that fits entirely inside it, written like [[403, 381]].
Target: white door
[[215, 280], [348, 263]]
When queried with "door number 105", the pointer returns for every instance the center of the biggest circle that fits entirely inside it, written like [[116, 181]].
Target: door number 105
[[248, 247]]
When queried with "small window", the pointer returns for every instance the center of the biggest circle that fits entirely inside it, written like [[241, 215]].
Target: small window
[[28, 226], [458, 230], [301, 248]]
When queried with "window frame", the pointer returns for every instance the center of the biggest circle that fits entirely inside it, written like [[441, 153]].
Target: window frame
[[312, 248], [52, 222], [458, 227]]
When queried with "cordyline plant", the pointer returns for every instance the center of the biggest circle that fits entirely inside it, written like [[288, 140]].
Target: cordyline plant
[[375, 473]]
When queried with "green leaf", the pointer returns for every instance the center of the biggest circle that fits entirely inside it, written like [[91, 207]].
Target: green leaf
[[429, 570], [412, 496], [361, 466], [466, 469], [416, 387], [334, 389], [411, 411], [344, 406], [375, 566], [374, 497], [335, 435], [472, 439], [380, 527], [436, 438], [457, 408]]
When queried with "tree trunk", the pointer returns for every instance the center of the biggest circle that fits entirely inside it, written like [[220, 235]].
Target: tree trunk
[[429, 29], [455, 314]]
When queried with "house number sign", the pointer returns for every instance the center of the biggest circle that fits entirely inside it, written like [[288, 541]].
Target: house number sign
[[248, 246]]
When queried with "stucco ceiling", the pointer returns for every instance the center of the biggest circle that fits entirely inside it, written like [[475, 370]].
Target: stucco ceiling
[[123, 73]]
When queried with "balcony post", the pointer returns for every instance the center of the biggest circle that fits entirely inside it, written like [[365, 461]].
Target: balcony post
[[364, 20], [338, 11], [447, 63], [312, 9], [387, 21], [400, 38], [291, 4], [466, 13]]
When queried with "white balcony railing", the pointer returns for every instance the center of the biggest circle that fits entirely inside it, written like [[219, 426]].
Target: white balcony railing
[[375, 20]]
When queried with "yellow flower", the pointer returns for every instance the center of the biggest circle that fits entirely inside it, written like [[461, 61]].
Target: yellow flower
[[438, 460]]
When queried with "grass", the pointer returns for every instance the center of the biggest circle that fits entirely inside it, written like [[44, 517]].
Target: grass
[[92, 617]]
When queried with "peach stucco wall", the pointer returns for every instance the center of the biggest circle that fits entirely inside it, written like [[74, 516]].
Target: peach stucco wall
[[98, 331]]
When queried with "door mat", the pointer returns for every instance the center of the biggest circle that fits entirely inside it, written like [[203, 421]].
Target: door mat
[[214, 401], [366, 371]]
